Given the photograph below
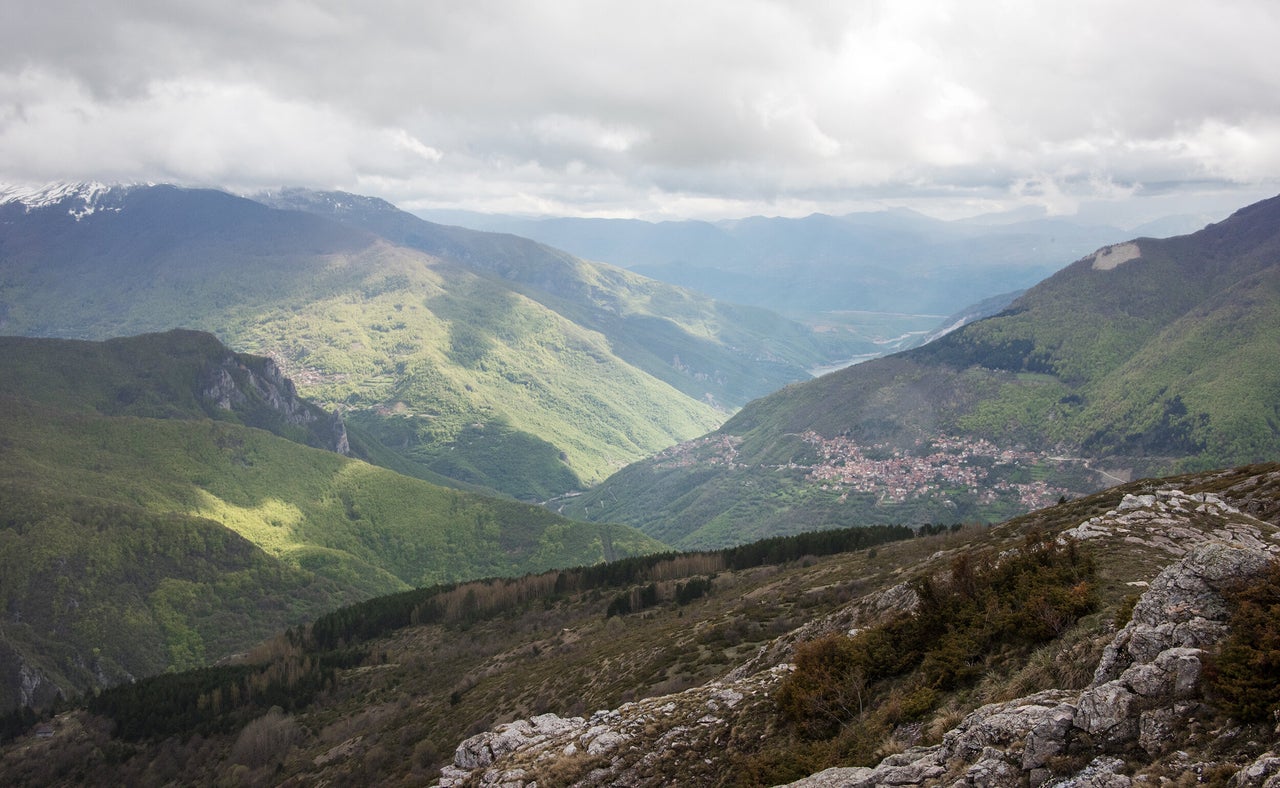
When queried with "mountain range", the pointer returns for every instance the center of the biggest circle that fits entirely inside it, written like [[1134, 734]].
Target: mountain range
[[888, 277], [488, 359], [1146, 357], [169, 502]]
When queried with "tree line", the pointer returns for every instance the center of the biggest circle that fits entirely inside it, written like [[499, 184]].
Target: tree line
[[290, 670]]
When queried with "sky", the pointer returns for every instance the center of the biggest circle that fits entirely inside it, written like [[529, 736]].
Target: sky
[[658, 109]]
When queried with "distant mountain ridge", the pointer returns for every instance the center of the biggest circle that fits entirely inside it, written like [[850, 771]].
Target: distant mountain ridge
[[490, 360], [893, 261], [1144, 357], [80, 199], [729, 353]]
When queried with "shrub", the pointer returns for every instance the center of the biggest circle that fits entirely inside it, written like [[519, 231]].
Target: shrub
[[828, 686], [266, 740], [1244, 676], [962, 618]]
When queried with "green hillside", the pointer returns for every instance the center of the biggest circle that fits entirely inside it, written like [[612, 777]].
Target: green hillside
[[1147, 357], [469, 379], [713, 351], [177, 374], [459, 371], [135, 543]]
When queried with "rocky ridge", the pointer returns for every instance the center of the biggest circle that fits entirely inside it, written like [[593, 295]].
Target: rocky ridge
[[231, 384], [1144, 710]]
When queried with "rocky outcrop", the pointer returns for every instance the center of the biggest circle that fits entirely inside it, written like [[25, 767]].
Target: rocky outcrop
[[1175, 522], [637, 744], [256, 389], [866, 612]]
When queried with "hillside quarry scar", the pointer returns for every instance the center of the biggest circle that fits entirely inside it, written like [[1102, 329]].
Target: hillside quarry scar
[[1109, 257]]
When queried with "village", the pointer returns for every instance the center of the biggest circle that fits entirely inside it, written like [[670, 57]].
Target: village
[[943, 465]]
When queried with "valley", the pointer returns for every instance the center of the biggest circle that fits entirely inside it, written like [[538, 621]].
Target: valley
[[1150, 367], [573, 378], [325, 562]]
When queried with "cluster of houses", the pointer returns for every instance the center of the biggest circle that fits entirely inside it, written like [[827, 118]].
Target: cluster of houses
[[945, 465], [980, 470], [711, 449]]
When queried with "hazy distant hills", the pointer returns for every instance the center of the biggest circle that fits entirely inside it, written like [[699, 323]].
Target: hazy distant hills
[[888, 261], [146, 524], [487, 359], [1148, 356]]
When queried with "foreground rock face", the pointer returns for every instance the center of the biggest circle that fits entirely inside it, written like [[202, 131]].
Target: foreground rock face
[[641, 743], [1145, 690], [1174, 522], [1145, 693]]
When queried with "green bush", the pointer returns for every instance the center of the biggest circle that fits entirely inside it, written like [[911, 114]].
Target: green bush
[[962, 617], [1244, 676]]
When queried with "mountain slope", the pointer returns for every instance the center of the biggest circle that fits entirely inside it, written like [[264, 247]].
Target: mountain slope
[[768, 673], [176, 375], [140, 534], [442, 362], [1149, 356], [710, 350]]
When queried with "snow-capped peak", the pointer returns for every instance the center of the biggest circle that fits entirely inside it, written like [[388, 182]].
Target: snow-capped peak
[[81, 199]]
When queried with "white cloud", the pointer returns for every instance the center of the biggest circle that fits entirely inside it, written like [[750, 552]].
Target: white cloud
[[652, 108]]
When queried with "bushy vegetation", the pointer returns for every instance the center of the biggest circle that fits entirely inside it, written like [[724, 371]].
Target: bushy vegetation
[[289, 670], [847, 691], [396, 716], [1244, 675]]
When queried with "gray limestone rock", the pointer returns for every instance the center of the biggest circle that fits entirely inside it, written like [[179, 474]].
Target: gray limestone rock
[[1106, 713], [1264, 772], [485, 749], [1102, 772]]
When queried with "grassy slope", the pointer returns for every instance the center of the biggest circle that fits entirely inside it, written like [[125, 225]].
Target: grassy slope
[[166, 375], [199, 537], [365, 526], [437, 349], [712, 351]]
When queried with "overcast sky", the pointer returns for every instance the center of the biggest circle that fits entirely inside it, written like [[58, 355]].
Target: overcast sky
[[657, 109]]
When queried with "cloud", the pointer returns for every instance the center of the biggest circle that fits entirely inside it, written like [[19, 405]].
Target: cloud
[[222, 133], [586, 106]]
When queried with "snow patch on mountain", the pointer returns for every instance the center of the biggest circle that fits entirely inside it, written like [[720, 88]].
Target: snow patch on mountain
[[81, 199]]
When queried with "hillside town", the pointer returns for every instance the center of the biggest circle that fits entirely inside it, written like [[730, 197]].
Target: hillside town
[[944, 464]]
